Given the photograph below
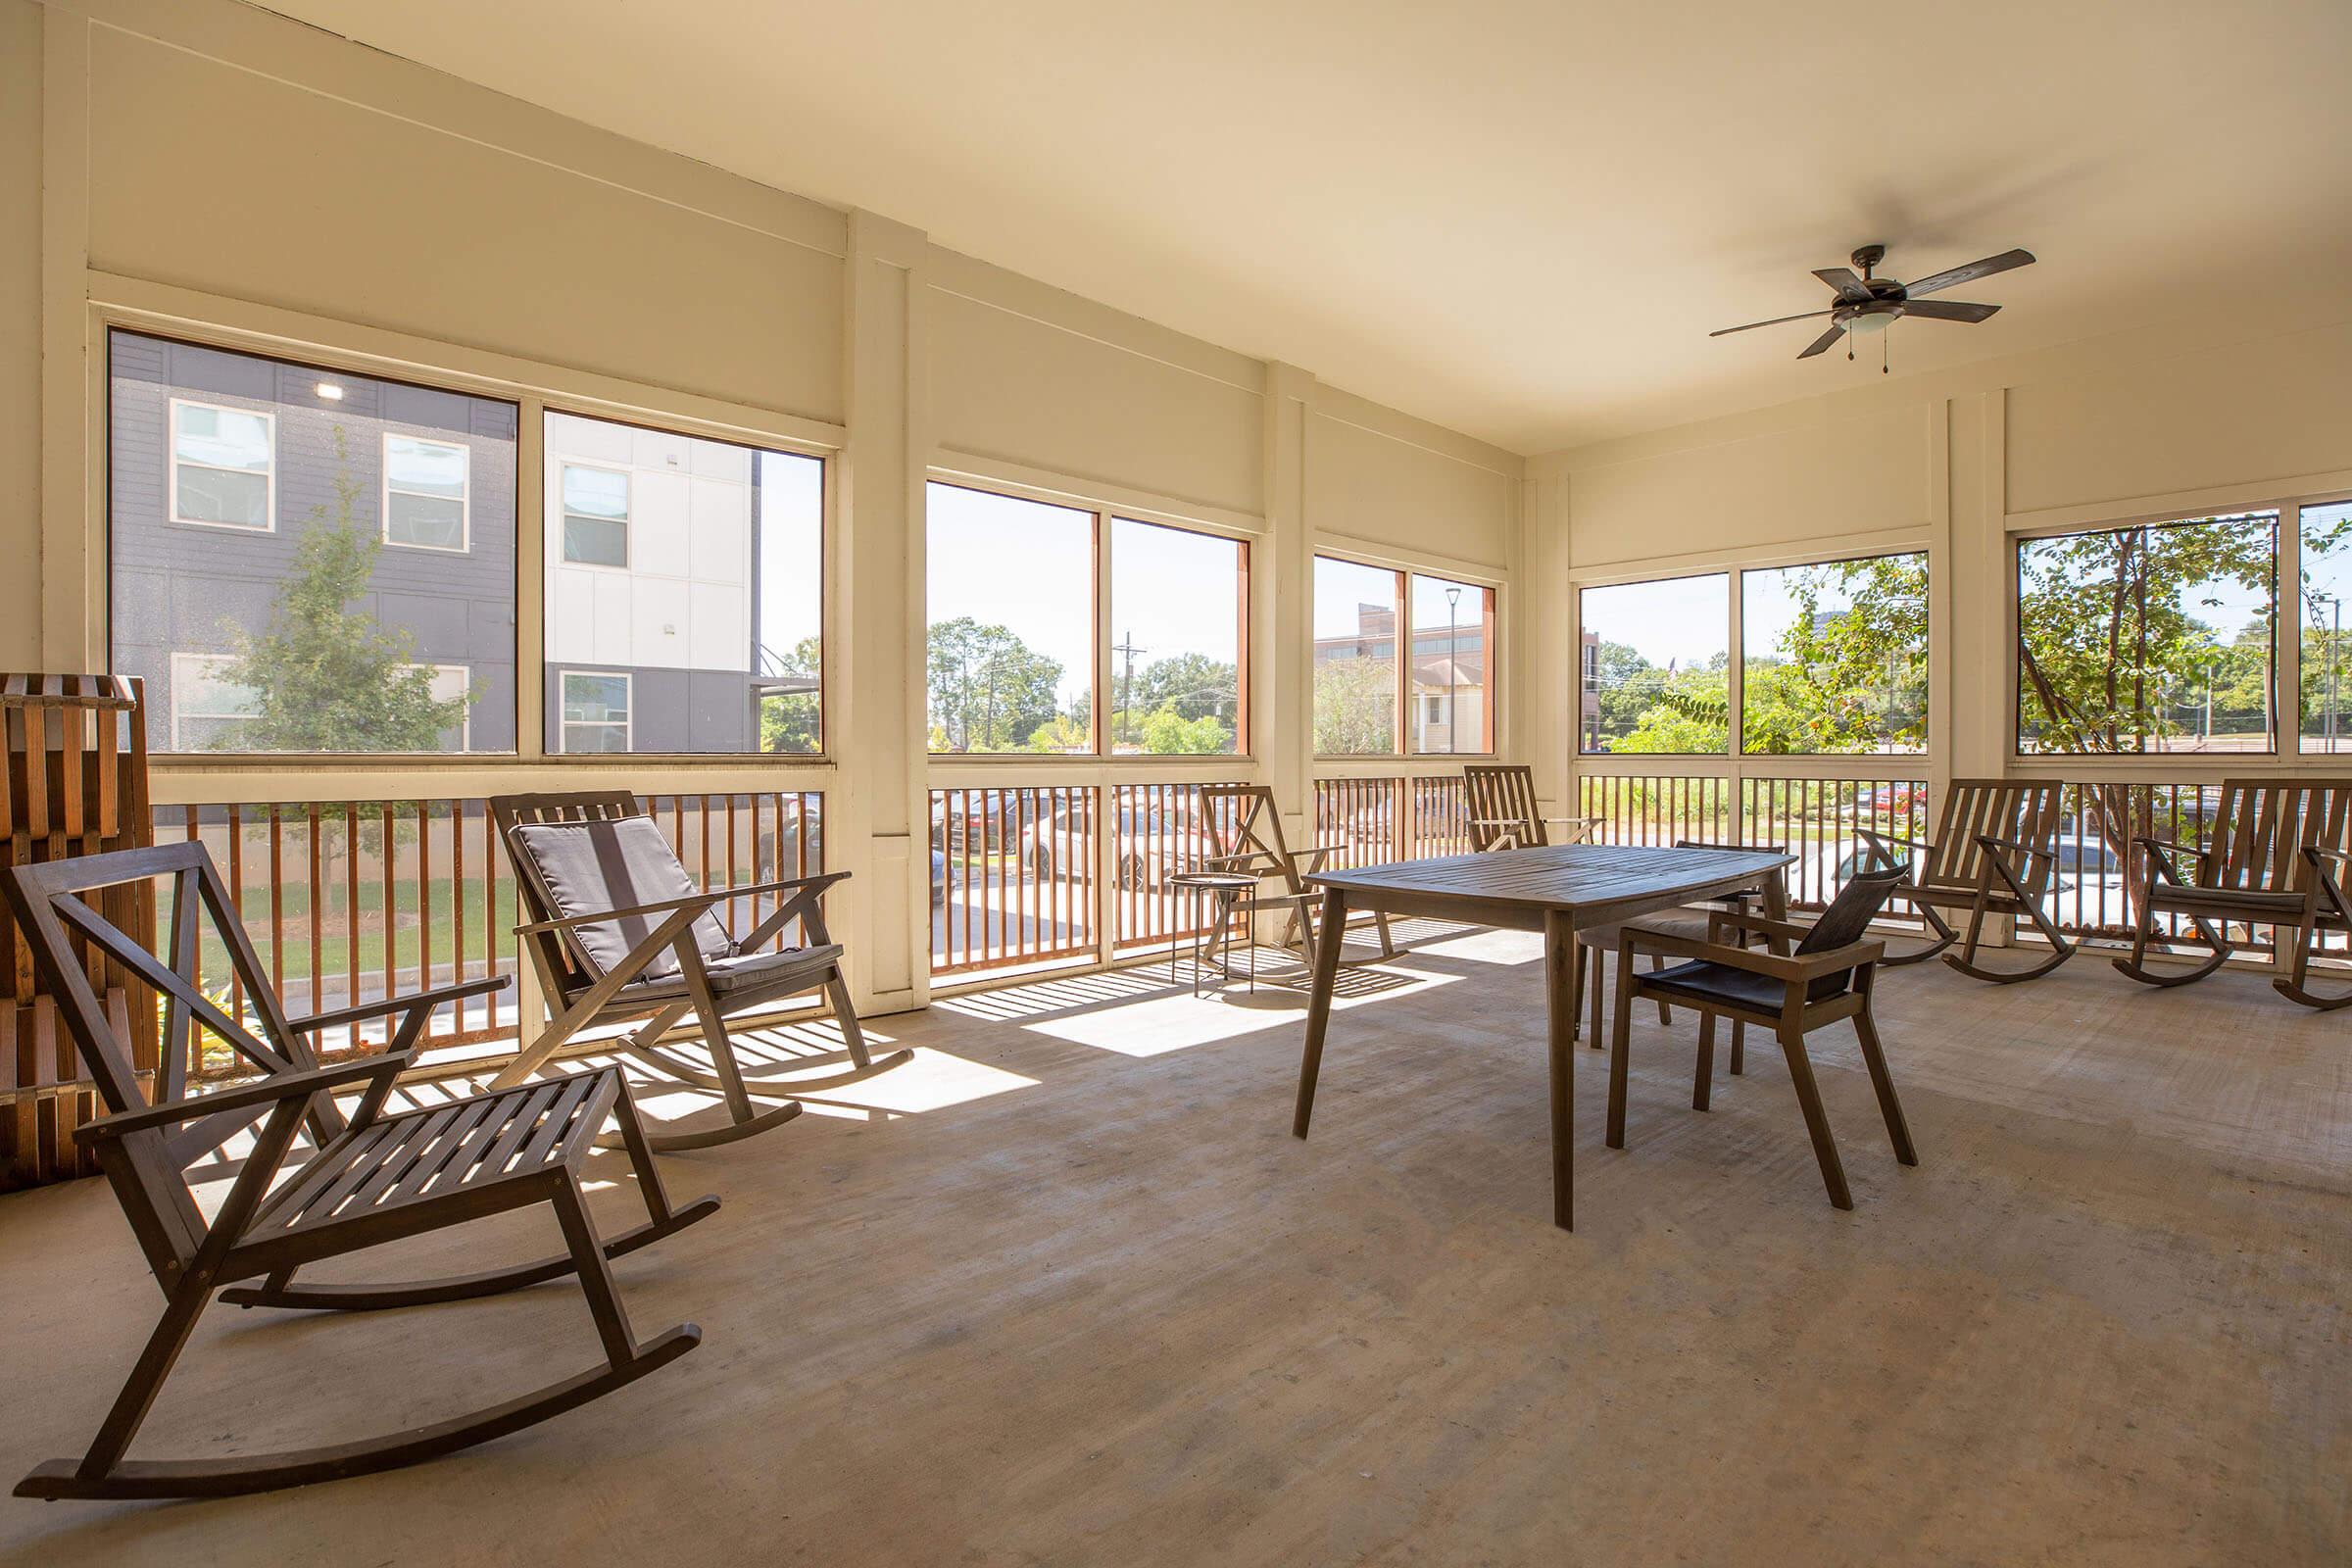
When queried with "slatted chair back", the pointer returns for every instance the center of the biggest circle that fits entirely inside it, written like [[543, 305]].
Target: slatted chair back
[[1244, 830], [1501, 794], [57, 907], [2264, 827], [2024, 813], [562, 971]]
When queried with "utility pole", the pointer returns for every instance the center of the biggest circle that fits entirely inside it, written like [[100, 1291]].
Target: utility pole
[[1128, 650]]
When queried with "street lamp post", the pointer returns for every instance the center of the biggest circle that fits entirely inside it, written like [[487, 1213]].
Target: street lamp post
[[1453, 656], [2335, 636]]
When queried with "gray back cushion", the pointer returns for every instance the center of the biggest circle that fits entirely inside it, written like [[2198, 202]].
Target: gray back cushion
[[588, 867]]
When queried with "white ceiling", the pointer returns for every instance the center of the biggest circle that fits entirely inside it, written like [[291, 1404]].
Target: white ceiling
[[1515, 218]]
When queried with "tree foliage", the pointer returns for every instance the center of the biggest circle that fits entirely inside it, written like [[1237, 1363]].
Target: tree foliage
[[1355, 707], [325, 676], [789, 720], [990, 691]]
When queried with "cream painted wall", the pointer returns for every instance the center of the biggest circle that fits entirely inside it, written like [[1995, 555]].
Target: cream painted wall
[[210, 164], [2237, 412], [19, 333]]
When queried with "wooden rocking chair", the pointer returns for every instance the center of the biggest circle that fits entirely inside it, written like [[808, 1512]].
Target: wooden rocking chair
[[617, 931], [2276, 857], [1502, 810], [1995, 848], [375, 1177], [1245, 836]]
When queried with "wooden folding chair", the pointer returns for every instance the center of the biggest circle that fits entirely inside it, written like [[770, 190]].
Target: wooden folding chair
[[1996, 845], [1245, 836], [1829, 977], [2276, 857], [617, 931], [374, 1178], [1504, 814]]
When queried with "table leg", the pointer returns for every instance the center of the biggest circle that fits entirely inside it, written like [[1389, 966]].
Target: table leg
[[1776, 905], [1559, 998], [1318, 1007]]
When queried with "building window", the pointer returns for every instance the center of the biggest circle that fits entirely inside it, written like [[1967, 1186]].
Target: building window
[[1833, 657], [424, 492], [696, 565], [1453, 627], [1355, 613], [595, 517], [1660, 657], [2151, 638], [223, 467], [1178, 604], [326, 629], [210, 711], [1010, 655], [596, 711], [2327, 538]]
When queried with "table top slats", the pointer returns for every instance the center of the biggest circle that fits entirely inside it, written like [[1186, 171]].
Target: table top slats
[[1560, 876]]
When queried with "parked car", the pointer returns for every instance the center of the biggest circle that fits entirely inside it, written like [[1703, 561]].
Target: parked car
[[1152, 840]]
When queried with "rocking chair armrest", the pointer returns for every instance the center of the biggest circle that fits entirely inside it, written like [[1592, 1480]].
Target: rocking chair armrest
[[2147, 841], [1990, 842], [691, 901], [439, 996], [268, 1091], [2316, 854], [1878, 841]]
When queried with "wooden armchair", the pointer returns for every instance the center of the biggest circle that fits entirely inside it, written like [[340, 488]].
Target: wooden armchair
[[617, 931], [1692, 921], [1996, 845], [1245, 836], [2276, 857], [1829, 977], [375, 1177], [1504, 813]]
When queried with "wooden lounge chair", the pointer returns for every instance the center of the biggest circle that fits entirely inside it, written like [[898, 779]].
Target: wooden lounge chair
[[1245, 835], [1504, 813], [2276, 857], [375, 1177], [617, 931], [1829, 977], [1994, 846]]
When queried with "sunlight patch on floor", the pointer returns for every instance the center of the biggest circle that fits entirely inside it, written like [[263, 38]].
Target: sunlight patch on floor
[[1159, 1025]]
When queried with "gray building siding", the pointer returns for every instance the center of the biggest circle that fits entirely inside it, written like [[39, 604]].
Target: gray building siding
[[182, 587], [670, 710]]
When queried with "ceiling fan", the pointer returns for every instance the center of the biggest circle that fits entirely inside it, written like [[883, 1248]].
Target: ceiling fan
[[1868, 304]]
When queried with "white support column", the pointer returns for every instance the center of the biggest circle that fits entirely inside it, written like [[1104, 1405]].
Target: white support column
[[1548, 716], [878, 821], [1282, 696]]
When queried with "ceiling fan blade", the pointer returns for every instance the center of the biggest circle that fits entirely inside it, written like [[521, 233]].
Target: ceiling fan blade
[[1802, 316], [1851, 289], [1970, 274], [1824, 340], [1947, 310]]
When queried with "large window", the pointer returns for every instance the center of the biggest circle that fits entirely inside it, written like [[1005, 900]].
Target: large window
[[1833, 657], [2326, 537], [1355, 659], [1453, 630], [2152, 638], [1440, 686], [685, 593], [1657, 662], [1010, 587], [259, 580], [1178, 602]]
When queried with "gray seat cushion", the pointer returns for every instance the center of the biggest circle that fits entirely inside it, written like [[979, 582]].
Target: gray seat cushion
[[588, 867], [741, 972]]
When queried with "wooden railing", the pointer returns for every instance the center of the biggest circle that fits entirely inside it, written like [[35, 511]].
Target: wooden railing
[[1818, 819], [349, 902], [1372, 822]]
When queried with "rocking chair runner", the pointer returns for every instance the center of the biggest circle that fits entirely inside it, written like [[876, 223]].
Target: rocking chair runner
[[1995, 848], [616, 930], [375, 1177], [1245, 834], [2276, 857], [1502, 810]]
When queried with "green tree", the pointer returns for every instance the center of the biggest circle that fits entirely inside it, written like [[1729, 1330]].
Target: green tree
[[789, 720], [1195, 685], [325, 676], [1851, 675], [1168, 732], [1355, 707], [988, 690]]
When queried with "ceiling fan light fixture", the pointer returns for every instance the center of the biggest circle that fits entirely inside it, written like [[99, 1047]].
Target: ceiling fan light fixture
[[1878, 320]]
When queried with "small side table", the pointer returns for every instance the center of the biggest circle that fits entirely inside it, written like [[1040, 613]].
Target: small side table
[[1233, 892]]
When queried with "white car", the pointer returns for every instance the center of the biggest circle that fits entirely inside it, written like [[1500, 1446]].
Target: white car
[[1152, 842]]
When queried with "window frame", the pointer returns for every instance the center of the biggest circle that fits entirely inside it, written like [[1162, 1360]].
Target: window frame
[[629, 719], [564, 513], [385, 492], [1103, 517], [1734, 694], [182, 658], [173, 460], [2286, 521], [2295, 509], [465, 720], [1404, 726]]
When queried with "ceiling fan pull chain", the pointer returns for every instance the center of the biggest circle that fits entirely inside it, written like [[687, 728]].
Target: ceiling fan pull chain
[[1886, 351]]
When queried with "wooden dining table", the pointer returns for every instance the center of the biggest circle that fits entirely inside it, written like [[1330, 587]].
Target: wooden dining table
[[1558, 890]]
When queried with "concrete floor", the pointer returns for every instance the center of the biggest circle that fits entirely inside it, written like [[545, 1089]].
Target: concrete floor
[[1064, 1290]]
